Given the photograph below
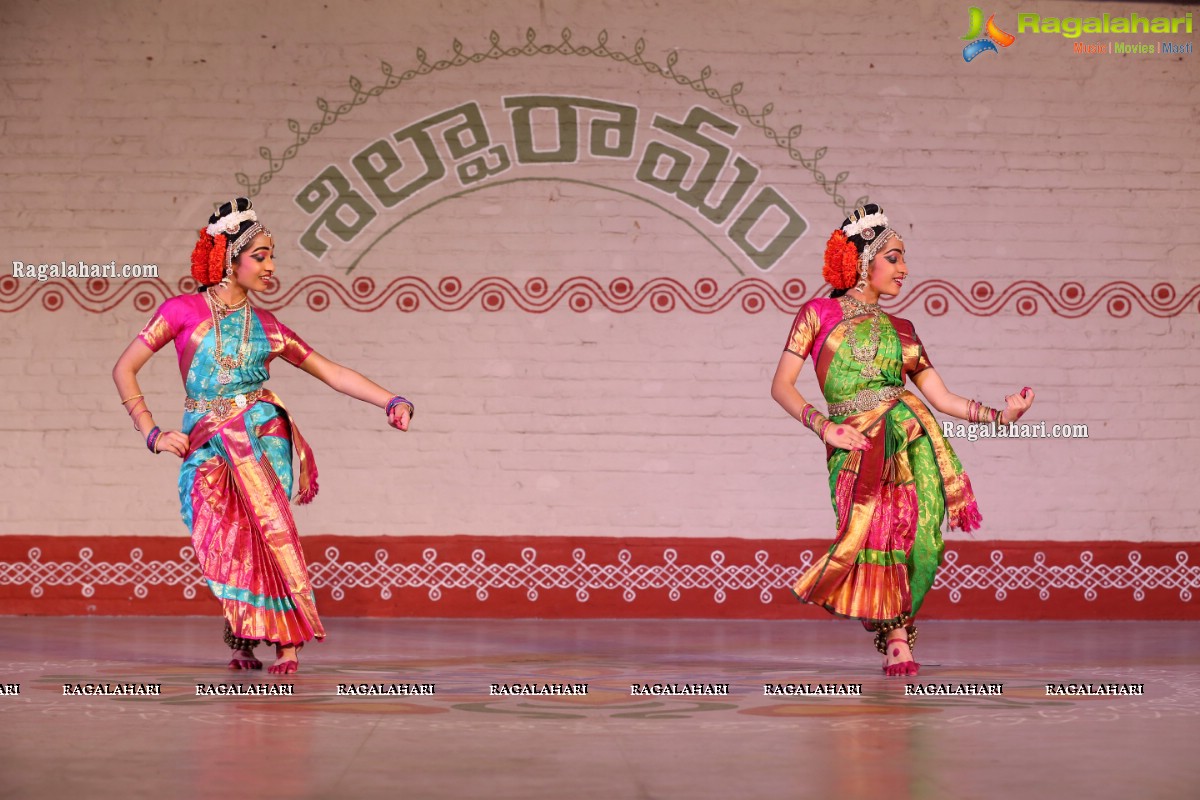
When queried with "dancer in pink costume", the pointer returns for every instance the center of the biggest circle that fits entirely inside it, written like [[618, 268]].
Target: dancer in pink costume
[[237, 438]]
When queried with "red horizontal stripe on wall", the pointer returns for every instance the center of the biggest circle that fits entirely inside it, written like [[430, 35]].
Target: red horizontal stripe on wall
[[576, 577]]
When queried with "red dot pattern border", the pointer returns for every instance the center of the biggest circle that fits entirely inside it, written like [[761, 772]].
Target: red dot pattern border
[[582, 294]]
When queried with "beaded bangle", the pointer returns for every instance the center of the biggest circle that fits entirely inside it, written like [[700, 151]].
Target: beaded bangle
[[397, 400], [152, 439]]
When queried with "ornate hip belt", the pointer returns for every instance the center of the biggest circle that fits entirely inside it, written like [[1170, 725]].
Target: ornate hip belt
[[222, 407], [864, 401]]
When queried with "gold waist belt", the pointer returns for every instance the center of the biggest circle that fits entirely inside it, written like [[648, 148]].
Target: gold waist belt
[[864, 401], [221, 407]]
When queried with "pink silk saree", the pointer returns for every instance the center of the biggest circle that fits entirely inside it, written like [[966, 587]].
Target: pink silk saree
[[236, 480]]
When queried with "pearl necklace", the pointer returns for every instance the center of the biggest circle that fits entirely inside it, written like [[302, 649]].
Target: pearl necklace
[[226, 364]]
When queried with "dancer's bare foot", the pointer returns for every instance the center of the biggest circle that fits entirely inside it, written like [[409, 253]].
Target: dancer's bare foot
[[287, 660], [243, 650], [244, 659], [898, 659]]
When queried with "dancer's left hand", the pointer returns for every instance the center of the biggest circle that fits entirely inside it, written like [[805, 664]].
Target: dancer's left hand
[[399, 417], [173, 442], [1018, 404]]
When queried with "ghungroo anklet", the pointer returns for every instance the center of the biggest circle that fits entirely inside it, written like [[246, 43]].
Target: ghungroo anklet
[[237, 642], [883, 629]]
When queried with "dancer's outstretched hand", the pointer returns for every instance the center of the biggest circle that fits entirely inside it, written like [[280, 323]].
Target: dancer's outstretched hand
[[400, 416]]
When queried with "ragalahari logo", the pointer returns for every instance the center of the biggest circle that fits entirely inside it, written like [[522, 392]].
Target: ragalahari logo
[[994, 37]]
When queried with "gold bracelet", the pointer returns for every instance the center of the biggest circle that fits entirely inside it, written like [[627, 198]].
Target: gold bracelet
[[135, 397], [145, 410]]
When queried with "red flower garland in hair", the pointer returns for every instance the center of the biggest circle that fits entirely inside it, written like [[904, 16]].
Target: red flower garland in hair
[[841, 261], [208, 258]]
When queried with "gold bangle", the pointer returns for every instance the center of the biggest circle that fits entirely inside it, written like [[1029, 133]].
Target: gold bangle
[[135, 397], [141, 404]]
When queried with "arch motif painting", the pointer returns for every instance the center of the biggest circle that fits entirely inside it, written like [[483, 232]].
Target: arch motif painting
[[760, 119]]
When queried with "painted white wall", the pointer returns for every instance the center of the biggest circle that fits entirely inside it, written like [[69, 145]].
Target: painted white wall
[[122, 123]]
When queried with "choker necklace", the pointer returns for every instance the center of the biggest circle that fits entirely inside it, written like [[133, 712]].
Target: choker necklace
[[860, 306], [863, 353], [226, 364], [223, 308]]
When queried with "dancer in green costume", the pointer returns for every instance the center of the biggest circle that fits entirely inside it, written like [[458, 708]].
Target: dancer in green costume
[[893, 477]]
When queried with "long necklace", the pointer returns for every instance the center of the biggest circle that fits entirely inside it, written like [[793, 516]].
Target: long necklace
[[863, 353], [226, 364]]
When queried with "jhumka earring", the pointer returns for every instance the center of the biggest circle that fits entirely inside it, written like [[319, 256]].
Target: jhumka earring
[[225, 281]]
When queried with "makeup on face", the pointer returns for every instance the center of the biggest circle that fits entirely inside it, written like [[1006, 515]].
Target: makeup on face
[[890, 271], [256, 265]]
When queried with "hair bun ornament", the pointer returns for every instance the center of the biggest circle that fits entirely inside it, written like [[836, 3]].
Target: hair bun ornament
[[841, 261], [208, 258], [230, 223]]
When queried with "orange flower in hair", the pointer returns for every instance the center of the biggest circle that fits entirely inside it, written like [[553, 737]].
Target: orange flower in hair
[[216, 259], [200, 257], [841, 261], [208, 258]]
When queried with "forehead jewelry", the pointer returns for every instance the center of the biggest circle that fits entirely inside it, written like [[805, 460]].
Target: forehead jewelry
[[239, 244], [872, 249]]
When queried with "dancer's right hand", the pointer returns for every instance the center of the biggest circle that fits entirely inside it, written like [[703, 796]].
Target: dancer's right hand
[[845, 437], [173, 442]]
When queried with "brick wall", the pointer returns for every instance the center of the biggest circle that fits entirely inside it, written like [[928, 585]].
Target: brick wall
[[122, 124]]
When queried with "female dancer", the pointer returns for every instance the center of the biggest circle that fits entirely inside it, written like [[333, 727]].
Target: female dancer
[[892, 475], [236, 440]]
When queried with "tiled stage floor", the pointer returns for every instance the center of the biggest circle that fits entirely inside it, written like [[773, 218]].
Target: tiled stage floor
[[464, 743]]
